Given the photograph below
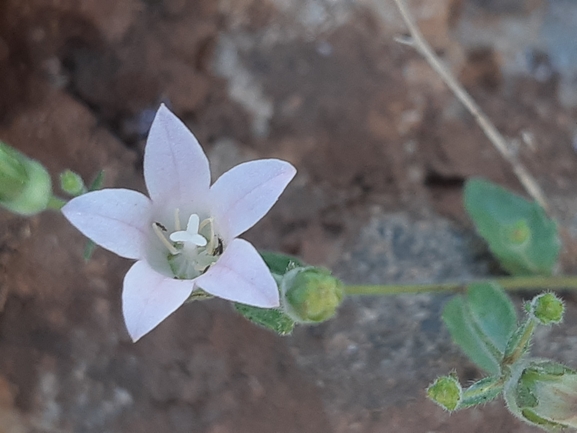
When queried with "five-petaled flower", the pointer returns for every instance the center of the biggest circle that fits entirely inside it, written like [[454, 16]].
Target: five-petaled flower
[[185, 235]]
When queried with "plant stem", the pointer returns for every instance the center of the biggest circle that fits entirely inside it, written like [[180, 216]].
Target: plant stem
[[56, 203], [521, 343], [422, 46], [508, 283]]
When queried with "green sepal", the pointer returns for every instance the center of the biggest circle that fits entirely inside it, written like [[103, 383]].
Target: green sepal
[[89, 249], [545, 424], [482, 391], [199, 295], [270, 318], [98, 181], [280, 264], [541, 371], [519, 232], [543, 393]]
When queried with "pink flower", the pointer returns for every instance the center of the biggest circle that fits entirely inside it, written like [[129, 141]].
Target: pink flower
[[185, 235]]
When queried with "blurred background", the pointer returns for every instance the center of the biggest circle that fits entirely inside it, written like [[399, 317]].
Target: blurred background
[[382, 149]]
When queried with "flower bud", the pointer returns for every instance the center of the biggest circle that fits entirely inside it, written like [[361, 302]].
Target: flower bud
[[71, 183], [310, 295], [547, 309], [25, 185], [447, 392], [546, 395]]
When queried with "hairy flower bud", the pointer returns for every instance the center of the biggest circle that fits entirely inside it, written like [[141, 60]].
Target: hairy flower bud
[[25, 185], [545, 395], [446, 391], [311, 295], [547, 309]]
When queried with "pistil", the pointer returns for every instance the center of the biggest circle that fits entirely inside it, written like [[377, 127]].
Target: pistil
[[191, 234], [190, 252]]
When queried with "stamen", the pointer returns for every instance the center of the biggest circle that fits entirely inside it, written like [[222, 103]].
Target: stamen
[[157, 229], [203, 224], [219, 248], [177, 220], [193, 249]]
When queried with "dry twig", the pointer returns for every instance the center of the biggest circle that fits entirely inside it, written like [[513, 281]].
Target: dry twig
[[418, 42]]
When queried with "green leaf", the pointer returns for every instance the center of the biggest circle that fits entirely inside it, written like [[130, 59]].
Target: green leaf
[[97, 182], [270, 318], [466, 334], [89, 250], [280, 264], [519, 232], [493, 312]]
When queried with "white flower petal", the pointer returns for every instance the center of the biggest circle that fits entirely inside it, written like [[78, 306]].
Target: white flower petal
[[175, 166], [116, 219], [244, 194], [149, 297], [241, 275]]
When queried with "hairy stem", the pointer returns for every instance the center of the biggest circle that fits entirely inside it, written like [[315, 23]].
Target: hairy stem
[[508, 283]]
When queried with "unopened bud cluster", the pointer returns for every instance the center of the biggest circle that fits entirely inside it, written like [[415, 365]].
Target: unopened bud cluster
[[71, 183], [25, 185]]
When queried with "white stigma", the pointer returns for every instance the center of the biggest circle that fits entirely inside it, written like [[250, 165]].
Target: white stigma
[[190, 252], [190, 235]]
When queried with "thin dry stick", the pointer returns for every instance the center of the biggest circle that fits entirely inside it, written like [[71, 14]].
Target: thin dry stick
[[423, 47]]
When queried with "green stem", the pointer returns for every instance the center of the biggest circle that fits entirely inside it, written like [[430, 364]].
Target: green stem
[[508, 283], [55, 203], [519, 342]]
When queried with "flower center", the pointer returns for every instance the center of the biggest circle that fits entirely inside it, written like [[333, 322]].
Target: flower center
[[193, 250]]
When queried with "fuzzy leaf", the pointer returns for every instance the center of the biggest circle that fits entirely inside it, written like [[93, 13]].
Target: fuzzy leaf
[[280, 264], [493, 312], [270, 318], [97, 182], [519, 233], [466, 334]]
